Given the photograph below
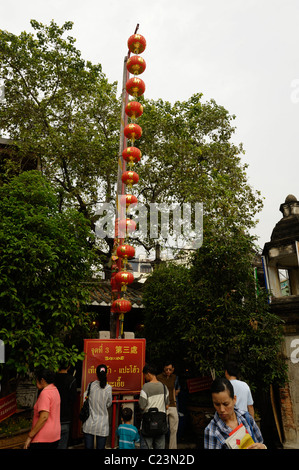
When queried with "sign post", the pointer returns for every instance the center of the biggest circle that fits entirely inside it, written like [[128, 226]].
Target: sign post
[[125, 359]]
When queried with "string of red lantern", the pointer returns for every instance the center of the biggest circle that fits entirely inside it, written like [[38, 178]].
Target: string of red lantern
[[135, 87]]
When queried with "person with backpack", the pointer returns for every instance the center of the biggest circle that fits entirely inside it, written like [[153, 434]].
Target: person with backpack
[[153, 402]]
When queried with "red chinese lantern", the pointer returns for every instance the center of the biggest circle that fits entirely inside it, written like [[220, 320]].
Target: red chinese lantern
[[125, 251], [128, 199], [130, 178], [134, 109], [131, 154], [133, 131], [126, 226], [136, 43], [123, 278], [114, 284], [135, 86], [121, 305], [136, 65]]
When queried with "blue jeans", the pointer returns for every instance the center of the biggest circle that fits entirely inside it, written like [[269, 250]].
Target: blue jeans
[[147, 442], [89, 441], [64, 439]]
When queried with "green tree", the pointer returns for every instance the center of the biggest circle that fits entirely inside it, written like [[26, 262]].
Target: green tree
[[45, 261], [61, 111], [209, 311], [190, 158]]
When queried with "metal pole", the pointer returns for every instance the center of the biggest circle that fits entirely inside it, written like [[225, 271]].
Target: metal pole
[[114, 320]]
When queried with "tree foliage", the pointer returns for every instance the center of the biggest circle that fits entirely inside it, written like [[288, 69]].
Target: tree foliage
[[190, 158], [45, 259], [209, 311], [60, 110]]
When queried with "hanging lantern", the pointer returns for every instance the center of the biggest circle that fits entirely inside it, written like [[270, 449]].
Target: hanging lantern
[[134, 109], [131, 154], [126, 226], [130, 178], [121, 305], [128, 200], [135, 86], [136, 65], [114, 284], [133, 131], [123, 278], [126, 251], [136, 43]]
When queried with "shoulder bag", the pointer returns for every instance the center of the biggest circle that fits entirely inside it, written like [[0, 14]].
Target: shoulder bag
[[154, 422], [84, 412]]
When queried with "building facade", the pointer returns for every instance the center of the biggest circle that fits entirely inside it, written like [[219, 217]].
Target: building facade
[[281, 267]]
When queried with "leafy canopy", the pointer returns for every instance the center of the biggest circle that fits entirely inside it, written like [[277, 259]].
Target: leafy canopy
[[45, 259], [61, 110], [202, 314]]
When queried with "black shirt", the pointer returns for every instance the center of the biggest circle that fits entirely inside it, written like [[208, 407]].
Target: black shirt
[[67, 388]]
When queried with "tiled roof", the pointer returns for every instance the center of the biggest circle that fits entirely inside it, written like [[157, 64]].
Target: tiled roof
[[101, 295]]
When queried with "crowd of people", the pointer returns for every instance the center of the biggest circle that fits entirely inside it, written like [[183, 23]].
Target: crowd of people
[[52, 414]]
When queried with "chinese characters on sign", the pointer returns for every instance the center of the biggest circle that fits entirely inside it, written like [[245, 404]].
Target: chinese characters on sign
[[124, 359]]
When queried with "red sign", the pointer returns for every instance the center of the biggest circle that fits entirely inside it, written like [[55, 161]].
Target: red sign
[[198, 384], [124, 359], [8, 406]]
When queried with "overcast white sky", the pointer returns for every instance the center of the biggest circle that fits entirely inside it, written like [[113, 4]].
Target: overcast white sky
[[242, 53]]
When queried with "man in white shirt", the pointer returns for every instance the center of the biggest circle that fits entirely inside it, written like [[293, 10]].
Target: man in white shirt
[[241, 389], [153, 395]]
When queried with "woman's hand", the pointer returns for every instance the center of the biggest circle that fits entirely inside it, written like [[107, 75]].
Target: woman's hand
[[257, 445], [43, 416], [27, 442]]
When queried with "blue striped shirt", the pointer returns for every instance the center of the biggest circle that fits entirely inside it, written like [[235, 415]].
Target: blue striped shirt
[[217, 431], [128, 435]]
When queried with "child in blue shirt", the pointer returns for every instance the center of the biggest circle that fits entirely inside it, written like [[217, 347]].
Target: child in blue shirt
[[127, 433]]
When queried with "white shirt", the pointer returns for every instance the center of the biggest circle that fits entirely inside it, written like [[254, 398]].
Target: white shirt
[[243, 394], [100, 399]]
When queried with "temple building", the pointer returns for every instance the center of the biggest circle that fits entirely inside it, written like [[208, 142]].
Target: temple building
[[281, 267]]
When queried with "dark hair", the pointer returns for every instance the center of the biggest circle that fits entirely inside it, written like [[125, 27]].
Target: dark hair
[[126, 414], [149, 369], [232, 368], [168, 362], [46, 374], [222, 384], [102, 375]]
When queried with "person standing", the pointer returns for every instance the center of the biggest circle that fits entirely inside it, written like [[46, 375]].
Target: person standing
[[127, 433], [227, 418], [153, 395], [241, 389], [67, 387], [100, 399], [45, 430], [168, 378]]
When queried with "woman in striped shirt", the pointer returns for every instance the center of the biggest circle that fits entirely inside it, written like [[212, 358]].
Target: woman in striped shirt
[[100, 399], [228, 417]]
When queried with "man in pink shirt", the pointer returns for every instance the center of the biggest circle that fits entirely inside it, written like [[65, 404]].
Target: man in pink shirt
[[45, 431]]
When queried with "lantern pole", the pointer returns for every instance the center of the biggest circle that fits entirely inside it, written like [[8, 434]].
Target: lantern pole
[[114, 317]]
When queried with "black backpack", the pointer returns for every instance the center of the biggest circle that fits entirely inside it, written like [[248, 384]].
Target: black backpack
[[154, 422]]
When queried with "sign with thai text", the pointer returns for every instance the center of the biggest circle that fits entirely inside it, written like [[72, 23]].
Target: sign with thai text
[[124, 359], [8, 406], [199, 383]]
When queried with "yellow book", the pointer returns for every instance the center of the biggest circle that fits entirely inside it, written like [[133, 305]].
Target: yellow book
[[239, 438]]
